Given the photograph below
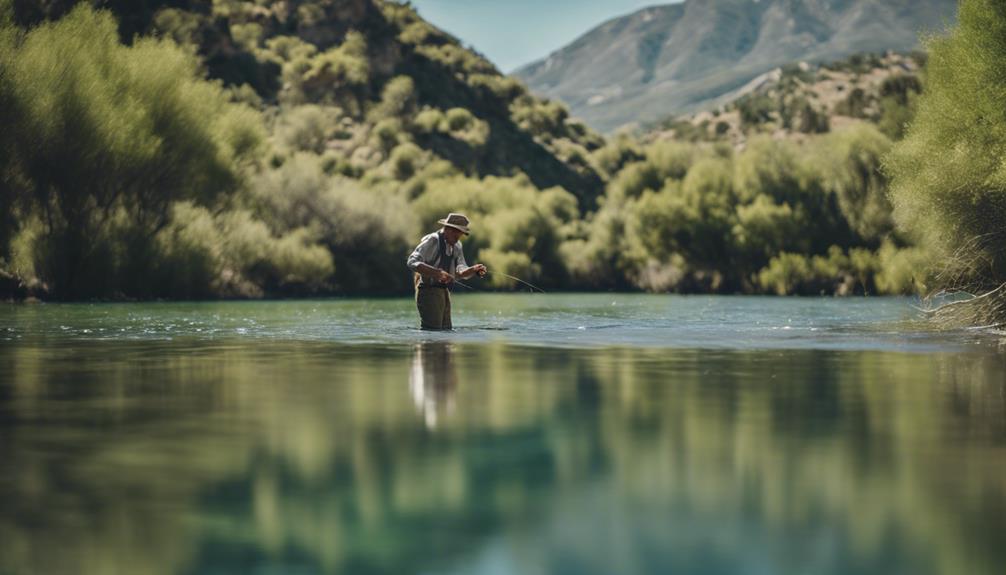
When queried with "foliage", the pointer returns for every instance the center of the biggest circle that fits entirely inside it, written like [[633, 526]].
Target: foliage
[[850, 163], [338, 76], [948, 175], [172, 186], [755, 110], [838, 272], [365, 231], [517, 226], [307, 128], [132, 129]]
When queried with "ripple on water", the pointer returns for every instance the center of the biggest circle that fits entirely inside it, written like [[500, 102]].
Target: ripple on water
[[561, 320]]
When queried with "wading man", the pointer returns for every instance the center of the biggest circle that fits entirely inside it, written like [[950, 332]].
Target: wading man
[[436, 261]]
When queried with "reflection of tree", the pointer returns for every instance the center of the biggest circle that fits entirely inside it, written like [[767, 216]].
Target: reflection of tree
[[309, 457], [433, 380]]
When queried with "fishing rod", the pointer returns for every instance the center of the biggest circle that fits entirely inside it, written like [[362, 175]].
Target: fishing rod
[[528, 284]]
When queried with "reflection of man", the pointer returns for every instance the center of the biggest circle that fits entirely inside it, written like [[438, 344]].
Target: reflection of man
[[433, 380], [436, 261]]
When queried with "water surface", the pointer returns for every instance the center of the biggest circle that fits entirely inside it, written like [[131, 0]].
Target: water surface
[[548, 434]]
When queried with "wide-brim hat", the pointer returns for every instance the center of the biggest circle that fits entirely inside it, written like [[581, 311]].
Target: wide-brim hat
[[456, 221]]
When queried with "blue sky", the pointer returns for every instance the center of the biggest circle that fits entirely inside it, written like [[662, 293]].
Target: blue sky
[[512, 33]]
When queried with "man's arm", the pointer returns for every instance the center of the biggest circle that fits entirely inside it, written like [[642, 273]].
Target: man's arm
[[462, 269], [475, 269], [427, 251], [435, 273]]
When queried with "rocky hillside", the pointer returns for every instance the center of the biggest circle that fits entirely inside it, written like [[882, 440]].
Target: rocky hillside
[[800, 100], [684, 57], [350, 57]]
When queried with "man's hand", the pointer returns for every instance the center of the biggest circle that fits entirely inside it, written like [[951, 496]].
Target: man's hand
[[444, 277], [475, 269]]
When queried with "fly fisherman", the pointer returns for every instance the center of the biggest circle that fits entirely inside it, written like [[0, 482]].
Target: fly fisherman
[[436, 261]]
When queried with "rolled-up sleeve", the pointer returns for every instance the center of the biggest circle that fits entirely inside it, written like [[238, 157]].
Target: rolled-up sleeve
[[462, 265], [424, 253]]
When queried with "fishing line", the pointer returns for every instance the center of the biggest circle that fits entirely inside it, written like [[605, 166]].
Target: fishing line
[[463, 284], [530, 285]]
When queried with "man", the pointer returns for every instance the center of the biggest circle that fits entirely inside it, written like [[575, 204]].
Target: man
[[436, 261]]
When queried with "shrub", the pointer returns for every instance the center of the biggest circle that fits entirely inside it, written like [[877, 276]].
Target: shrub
[[307, 128], [838, 272], [765, 228], [768, 168], [463, 126], [132, 129], [405, 160], [367, 232], [948, 178], [509, 216], [902, 270], [429, 121], [398, 99], [850, 166]]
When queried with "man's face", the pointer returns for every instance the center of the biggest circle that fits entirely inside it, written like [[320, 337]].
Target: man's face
[[452, 235]]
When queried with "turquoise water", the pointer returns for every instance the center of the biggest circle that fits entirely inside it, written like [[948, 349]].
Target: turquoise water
[[548, 434]]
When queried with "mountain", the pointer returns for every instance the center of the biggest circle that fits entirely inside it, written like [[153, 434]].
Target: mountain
[[680, 58]]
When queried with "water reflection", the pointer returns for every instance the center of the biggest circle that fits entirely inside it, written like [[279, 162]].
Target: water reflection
[[433, 380], [312, 458]]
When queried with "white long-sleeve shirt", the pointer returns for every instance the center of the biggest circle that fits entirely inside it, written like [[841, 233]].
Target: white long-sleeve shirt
[[428, 251]]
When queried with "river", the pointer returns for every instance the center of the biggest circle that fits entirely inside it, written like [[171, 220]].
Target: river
[[548, 434]]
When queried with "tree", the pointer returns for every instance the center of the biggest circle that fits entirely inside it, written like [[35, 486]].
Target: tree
[[110, 135], [949, 173]]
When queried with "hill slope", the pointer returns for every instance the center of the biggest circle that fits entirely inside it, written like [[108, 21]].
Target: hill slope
[[681, 57], [344, 54]]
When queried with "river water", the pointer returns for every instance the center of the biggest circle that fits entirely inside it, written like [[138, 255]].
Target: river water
[[549, 434]]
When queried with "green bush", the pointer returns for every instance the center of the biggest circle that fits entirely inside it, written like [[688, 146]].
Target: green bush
[[539, 118], [902, 270], [181, 26], [388, 133], [769, 168], [429, 121], [398, 99], [755, 110], [510, 216], [367, 231], [287, 49], [459, 119], [339, 76], [504, 88], [406, 160], [132, 129], [948, 176], [602, 259], [616, 154], [248, 35], [850, 166], [307, 128], [856, 105], [765, 228], [456, 59], [838, 272], [462, 125]]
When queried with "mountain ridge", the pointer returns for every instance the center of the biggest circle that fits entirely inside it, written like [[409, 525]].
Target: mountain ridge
[[678, 58]]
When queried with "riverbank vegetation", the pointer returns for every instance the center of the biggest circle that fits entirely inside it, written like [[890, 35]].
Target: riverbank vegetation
[[949, 173], [248, 149]]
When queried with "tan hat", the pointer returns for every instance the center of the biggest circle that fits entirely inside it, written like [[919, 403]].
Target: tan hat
[[456, 221]]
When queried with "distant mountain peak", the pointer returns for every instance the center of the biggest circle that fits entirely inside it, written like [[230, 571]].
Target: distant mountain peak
[[676, 58]]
